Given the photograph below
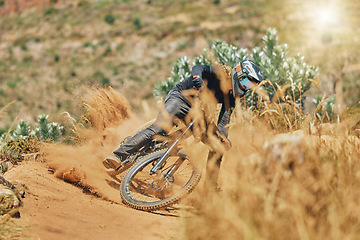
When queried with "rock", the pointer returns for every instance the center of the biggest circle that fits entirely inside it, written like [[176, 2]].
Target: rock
[[10, 199], [285, 149]]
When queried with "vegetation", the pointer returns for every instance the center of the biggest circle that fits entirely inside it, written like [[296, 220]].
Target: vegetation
[[61, 59], [296, 187], [288, 78], [109, 18], [10, 230], [24, 140], [306, 190]]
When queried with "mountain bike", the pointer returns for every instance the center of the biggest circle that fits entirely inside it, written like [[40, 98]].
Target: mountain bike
[[167, 174]]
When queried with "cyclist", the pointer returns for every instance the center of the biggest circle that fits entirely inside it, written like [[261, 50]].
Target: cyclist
[[225, 82]]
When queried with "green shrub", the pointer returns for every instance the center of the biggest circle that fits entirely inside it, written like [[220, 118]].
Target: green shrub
[[137, 23], [109, 18], [27, 59], [101, 78], [50, 11], [325, 108], [12, 83], [24, 47], [2, 131], [181, 69], [24, 139], [107, 51], [44, 130], [87, 44], [105, 82], [216, 2], [23, 129], [47, 131], [291, 75], [82, 3], [13, 149]]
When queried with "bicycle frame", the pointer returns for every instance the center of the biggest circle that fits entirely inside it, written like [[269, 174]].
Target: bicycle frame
[[168, 152]]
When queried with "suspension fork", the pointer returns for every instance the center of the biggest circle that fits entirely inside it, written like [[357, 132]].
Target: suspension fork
[[161, 161]]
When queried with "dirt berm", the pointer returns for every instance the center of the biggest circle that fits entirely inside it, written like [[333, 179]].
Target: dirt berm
[[54, 209]]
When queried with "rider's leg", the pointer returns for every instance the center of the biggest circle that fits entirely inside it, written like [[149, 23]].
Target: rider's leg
[[137, 141], [131, 145], [212, 171], [175, 105]]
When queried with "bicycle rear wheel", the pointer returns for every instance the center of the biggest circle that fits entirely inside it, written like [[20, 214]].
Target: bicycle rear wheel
[[143, 191]]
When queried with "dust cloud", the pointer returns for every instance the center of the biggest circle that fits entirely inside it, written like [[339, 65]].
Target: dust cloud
[[274, 183], [111, 119], [295, 185]]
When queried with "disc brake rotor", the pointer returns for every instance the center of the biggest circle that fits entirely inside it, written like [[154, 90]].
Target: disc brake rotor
[[162, 182]]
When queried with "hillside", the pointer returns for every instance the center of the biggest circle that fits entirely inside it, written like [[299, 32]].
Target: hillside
[[290, 174], [51, 54]]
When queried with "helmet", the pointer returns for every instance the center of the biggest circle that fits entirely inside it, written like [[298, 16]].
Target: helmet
[[244, 76]]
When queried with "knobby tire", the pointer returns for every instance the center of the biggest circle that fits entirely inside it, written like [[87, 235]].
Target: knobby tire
[[127, 187]]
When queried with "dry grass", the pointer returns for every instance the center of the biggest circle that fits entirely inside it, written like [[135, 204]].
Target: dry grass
[[9, 229], [282, 186], [105, 108]]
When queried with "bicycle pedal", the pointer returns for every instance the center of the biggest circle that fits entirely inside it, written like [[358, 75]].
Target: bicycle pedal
[[108, 164]]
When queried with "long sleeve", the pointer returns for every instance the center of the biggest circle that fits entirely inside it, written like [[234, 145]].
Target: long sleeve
[[202, 70], [224, 119]]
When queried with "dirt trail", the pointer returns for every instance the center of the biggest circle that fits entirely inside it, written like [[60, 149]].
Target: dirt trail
[[54, 209]]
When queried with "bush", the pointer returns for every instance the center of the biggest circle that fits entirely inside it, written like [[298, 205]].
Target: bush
[[48, 131], [137, 23], [13, 149], [216, 2], [325, 108], [101, 78], [24, 140], [50, 11], [107, 51], [109, 18], [82, 3], [288, 78]]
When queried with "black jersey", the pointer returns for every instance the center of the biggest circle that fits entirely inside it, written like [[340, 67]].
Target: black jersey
[[207, 73]]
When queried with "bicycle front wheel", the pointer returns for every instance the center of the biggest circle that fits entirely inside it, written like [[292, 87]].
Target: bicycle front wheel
[[143, 191]]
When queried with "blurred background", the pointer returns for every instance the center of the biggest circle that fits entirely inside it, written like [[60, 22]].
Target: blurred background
[[52, 51]]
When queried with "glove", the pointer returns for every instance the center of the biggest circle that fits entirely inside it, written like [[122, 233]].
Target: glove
[[226, 143], [197, 80]]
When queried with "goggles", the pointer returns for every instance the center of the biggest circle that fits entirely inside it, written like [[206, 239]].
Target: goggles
[[245, 83]]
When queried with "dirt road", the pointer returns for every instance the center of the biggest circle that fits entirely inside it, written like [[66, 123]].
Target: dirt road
[[54, 209]]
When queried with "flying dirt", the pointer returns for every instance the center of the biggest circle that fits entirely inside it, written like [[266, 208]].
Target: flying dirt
[[273, 182], [111, 120], [92, 209]]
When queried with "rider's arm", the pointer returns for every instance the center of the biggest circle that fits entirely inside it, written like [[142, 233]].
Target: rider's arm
[[207, 72], [199, 72], [224, 119]]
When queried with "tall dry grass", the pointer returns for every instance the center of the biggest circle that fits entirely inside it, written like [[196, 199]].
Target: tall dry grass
[[283, 183], [285, 177]]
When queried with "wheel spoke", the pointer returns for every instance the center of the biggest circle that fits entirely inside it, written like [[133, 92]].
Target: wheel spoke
[[164, 187]]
